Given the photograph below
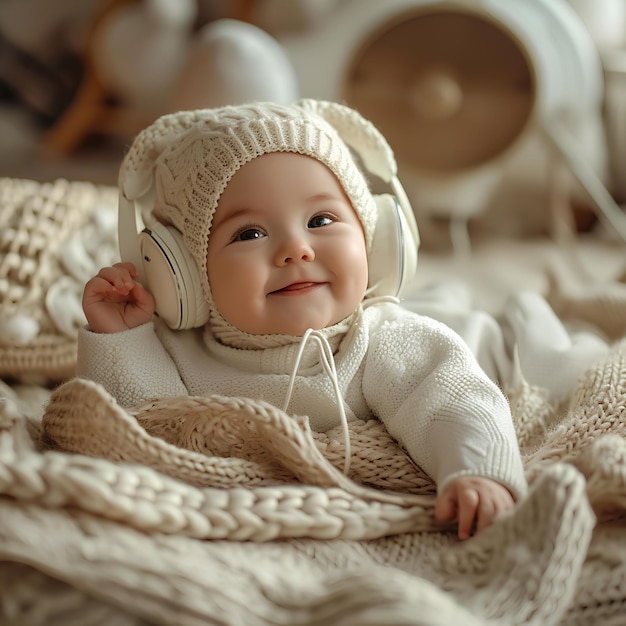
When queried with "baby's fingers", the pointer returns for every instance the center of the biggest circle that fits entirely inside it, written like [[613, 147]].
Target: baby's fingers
[[487, 513], [493, 502], [142, 297], [120, 278], [445, 507], [469, 502]]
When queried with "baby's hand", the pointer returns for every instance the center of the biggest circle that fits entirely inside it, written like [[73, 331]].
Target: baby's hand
[[472, 500], [113, 301]]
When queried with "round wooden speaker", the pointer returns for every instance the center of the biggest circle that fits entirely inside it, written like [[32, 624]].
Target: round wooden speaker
[[450, 90]]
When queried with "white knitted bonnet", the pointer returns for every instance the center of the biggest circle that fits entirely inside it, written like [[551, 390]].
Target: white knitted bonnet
[[191, 156]]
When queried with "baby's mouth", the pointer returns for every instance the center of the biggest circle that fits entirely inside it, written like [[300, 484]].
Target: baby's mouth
[[296, 288]]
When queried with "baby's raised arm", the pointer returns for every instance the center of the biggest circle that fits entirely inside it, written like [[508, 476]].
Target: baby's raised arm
[[113, 301]]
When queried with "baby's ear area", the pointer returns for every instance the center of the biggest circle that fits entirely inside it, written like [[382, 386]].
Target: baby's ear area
[[392, 257]]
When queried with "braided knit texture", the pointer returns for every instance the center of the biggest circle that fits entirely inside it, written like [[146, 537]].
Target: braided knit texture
[[227, 510], [54, 237]]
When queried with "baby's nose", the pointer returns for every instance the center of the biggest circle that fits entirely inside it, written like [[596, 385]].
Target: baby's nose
[[295, 249]]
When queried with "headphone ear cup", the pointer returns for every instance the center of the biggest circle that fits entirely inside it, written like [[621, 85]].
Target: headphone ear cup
[[171, 275], [392, 259]]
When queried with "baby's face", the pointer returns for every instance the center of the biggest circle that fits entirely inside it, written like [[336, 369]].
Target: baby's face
[[286, 250]]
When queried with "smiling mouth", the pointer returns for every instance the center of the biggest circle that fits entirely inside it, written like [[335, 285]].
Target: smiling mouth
[[296, 289]]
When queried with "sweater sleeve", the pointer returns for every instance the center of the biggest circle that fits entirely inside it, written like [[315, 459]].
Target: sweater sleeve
[[423, 382], [132, 365]]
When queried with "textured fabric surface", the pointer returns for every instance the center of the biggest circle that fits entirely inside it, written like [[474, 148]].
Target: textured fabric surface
[[224, 510], [53, 237]]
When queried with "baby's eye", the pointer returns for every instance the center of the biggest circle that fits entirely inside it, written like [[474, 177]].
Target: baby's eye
[[320, 220], [248, 234]]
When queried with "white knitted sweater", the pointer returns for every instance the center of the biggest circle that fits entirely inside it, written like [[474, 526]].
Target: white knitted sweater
[[411, 372]]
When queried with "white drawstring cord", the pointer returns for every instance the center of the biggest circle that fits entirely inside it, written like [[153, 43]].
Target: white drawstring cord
[[328, 363]]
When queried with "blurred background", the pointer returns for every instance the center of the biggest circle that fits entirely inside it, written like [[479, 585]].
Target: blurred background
[[505, 115]]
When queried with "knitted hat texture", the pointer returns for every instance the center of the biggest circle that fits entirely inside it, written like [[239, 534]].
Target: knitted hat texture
[[191, 156]]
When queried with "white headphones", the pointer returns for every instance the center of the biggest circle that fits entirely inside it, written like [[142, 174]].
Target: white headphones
[[168, 270]]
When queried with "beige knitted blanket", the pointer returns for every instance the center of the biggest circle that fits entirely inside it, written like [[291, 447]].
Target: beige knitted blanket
[[227, 511]]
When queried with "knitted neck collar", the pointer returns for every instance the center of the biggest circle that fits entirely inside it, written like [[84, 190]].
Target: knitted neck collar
[[224, 333]]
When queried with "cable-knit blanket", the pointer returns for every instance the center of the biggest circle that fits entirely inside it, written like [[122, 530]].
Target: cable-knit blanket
[[228, 511]]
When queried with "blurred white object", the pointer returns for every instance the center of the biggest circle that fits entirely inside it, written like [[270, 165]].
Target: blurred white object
[[18, 330], [464, 91], [147, 55], [140, 50], [232, 62], [605, 20], [145, 59]]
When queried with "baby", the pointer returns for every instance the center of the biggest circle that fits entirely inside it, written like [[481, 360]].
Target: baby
[[278, 220]]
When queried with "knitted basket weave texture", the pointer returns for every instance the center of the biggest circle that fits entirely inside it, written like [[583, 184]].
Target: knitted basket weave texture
[[54, 237]]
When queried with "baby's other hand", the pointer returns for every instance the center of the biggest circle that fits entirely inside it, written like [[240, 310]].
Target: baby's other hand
[[113, 301], [474, 502]]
